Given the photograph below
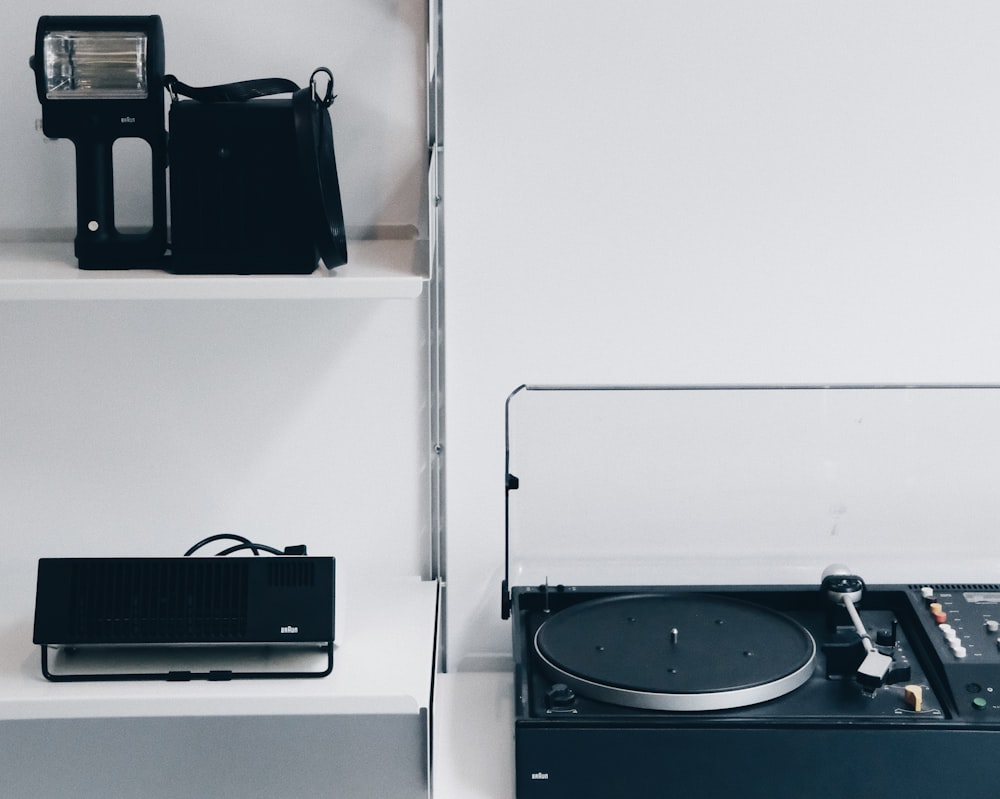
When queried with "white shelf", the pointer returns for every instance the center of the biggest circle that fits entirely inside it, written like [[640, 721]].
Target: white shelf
[[383, 664], [385, 268], [474, 751]]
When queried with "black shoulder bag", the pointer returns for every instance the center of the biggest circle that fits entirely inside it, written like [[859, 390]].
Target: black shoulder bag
[[253, 178]]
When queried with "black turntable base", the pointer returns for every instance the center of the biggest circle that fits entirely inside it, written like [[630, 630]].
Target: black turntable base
[[757, 692]]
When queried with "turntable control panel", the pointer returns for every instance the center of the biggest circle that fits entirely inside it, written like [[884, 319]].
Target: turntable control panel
[[963, 623]]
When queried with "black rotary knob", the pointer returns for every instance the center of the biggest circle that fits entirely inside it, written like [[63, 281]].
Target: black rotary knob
[[560, 696]]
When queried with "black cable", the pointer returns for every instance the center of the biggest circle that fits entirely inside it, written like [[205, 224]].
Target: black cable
[[247, 543]]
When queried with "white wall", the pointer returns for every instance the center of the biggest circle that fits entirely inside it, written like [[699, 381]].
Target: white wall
[[666, 192], [143, 427], [140, 427]]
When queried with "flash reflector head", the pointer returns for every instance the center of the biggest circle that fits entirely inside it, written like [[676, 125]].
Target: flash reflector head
[[92, 65], [98, 58]]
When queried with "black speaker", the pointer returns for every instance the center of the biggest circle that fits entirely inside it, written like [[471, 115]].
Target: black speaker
[[164, 602]]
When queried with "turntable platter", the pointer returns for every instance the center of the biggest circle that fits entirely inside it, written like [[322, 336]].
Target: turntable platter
[[678, 652]]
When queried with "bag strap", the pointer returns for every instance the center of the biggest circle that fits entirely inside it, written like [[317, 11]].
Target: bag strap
[[314, 143], [318, 161], [229, 92]]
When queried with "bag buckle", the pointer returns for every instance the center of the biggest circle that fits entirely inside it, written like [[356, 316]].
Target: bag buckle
[[329, 96]]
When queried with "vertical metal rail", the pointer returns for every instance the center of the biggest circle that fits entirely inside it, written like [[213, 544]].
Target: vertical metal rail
[[435, 312]]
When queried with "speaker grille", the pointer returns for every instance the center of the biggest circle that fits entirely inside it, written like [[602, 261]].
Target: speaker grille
[[147, 600], [291, 573]]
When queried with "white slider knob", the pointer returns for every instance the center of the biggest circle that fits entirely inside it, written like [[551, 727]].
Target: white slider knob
[[914, 695]]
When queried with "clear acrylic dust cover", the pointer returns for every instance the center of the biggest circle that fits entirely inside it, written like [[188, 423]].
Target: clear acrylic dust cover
[[751, 484]]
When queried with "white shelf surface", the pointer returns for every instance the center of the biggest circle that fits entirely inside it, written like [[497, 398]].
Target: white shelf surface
[[376, 268], [474, 735], [383, 664]]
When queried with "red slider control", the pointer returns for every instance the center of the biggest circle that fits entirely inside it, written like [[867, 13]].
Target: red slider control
[[940, 617]]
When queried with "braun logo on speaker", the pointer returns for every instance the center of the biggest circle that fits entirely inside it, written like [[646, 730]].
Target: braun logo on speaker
[[289, 630], [539, 775]]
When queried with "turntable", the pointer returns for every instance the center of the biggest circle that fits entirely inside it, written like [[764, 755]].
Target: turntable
[[637, 674]]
